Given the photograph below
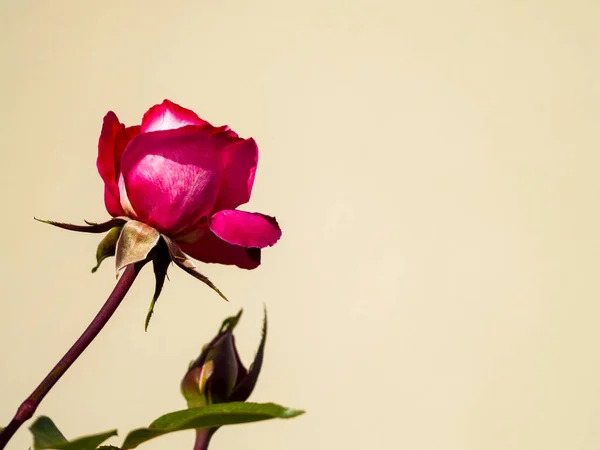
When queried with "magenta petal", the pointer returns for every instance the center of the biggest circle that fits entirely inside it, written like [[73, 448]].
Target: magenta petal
[[210, 249], [106, 162], [169, 116], [250, 230], [239, 168], [171, 178], [113, 205]]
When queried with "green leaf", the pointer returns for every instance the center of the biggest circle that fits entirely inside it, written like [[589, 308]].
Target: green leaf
[[47, 436], [211, 416]]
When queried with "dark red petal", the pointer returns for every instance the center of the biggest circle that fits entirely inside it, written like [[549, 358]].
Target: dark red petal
[[210, 249], [114, 137], [239, 167], [106, 162], [121, 141]]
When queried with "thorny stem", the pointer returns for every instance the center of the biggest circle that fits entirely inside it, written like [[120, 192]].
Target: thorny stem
[[28, 407]]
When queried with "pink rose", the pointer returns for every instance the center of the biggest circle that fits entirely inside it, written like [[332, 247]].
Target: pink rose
[[184, 177]]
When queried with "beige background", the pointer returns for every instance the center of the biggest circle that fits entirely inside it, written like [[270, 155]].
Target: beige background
[[433, 165]]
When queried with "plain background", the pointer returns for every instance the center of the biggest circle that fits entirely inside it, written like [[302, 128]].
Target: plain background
[[433, 165]]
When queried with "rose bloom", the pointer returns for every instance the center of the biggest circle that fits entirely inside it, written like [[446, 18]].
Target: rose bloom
[[184, 177]]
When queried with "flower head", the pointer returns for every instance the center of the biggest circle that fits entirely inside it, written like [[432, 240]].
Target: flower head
[[172, 185], [185, 178]]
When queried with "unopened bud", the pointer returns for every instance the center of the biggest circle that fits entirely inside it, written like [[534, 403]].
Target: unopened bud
[[218, 375]]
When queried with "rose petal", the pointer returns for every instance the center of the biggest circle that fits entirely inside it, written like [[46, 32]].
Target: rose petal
[[123, 139], [226, 132], [250, 230], [114, 137], [239, 168], [169, 116], [171, 177], [210, 249], [106, 162]]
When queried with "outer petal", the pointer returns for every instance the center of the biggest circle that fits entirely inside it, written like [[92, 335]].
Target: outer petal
[[210, 249], [106, 162], [250, 230], [239, 168], [171, 177], [169, 116], [114, 137]]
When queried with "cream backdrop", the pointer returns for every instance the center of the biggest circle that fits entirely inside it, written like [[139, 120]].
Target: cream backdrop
[[433, 166]]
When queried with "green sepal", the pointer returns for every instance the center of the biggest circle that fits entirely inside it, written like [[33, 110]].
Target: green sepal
[[91, 227], [212, 416], [47, 436], [246, 385], [184, 262], [161, 262], [135, 243], [107, 246], [230, 323]]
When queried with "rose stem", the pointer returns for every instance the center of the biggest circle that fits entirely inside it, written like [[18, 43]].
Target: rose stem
[[28, 407], [203, 436]]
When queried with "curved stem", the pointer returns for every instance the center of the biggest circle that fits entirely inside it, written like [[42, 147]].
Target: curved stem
[[203, 436], [28, 407]]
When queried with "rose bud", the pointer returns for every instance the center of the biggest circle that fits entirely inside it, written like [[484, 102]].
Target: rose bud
[[218, 375], [172, 185]]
